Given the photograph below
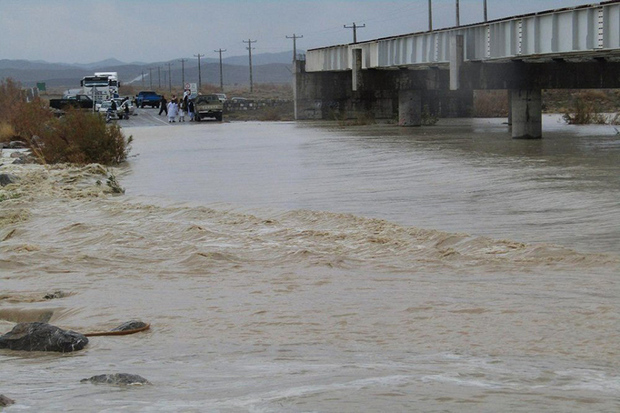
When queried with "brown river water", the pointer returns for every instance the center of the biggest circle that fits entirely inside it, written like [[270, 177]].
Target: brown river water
[[310, 268]]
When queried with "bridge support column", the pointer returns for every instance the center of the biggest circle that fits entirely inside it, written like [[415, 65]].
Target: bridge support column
[[357, 83], [410, 108], [526, 114]]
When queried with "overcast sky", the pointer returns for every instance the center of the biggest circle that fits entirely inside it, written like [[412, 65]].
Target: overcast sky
[[85, 31]]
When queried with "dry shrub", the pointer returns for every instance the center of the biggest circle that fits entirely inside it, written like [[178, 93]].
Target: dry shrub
[[583, 112], [79, 137], [83, 137], [490, 103], [11, 96], [7, 132], [31, 119]]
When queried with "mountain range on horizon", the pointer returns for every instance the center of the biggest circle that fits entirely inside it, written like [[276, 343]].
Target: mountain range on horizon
[[266, 68]]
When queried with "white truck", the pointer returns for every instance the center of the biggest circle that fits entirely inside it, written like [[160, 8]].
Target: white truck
[[100, 87]]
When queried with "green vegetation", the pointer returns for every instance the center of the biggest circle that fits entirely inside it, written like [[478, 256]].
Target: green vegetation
[[78, 137]]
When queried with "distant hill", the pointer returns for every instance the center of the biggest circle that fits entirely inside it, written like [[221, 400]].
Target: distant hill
[[267, 68]]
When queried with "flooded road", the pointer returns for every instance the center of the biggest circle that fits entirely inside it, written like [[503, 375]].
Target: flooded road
[[308, 268]]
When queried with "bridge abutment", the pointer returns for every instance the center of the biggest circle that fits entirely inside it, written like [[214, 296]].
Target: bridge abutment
[[526, 109]]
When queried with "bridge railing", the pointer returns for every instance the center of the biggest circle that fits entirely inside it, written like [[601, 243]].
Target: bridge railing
[[564, 31]]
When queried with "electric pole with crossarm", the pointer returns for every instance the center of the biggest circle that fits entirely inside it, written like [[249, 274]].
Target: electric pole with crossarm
[[249, 42], [295, 37], [199, 72], [221, 71], [354, 27], [183, 72]]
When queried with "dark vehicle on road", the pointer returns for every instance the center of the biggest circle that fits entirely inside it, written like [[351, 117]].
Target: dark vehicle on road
[[148, 98], [208, 106], [77, 101]]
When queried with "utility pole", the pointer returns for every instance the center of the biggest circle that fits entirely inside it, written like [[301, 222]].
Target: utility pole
[[159, 75], [354, 27], [142, 79], [199, 71], [295, 37], [221, 71], [485, 11], [151, 77], [249, 42], [183, 72], [169, 78], [458, 14], [430, 16]]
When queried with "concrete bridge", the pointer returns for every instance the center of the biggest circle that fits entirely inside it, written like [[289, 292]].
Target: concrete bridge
[[571, 48]]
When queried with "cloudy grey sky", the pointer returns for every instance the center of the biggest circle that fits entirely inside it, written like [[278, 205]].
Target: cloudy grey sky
[[85, 31]]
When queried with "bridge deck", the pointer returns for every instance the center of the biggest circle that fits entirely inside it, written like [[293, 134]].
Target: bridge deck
[[578, 32]]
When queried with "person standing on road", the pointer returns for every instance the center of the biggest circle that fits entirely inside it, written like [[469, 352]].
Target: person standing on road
[[172, 111], [182, 109], [190, 109], [162, 106]]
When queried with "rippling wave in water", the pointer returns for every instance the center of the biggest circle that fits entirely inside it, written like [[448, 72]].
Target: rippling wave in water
[[314, 295]]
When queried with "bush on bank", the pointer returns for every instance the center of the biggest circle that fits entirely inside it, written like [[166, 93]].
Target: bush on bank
[[78, 137]]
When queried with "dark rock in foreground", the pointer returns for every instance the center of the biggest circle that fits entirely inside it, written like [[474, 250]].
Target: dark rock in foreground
[[6, 179], [17, 145], [42, 337], [130, 325], [122, 379], [5, 401]]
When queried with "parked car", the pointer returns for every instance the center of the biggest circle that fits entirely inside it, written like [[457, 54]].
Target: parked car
[[107, 106], [77, 101], [222, 97], [147, 97], [208, 106], [131, 109]]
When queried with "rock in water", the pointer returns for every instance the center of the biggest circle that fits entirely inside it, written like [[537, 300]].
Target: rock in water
[[123, 379], [42, 337], [5, 401], [6, 179], [130, 325]]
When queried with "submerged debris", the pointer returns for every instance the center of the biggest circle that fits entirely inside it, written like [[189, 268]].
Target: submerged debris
[[55, 294], [129, 327], [118, 379]]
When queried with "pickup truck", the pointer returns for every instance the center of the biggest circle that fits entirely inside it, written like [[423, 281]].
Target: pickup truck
[[77, 101], [208, 106], [149, 98]]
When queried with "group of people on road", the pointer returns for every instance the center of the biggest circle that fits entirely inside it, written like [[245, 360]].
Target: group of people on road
[[177, 108]]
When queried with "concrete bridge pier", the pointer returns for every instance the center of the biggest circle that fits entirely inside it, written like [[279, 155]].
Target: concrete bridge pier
[[410, 108], [526, 109]]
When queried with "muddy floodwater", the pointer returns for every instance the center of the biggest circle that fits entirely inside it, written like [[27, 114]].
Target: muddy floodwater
[[305, 267]]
